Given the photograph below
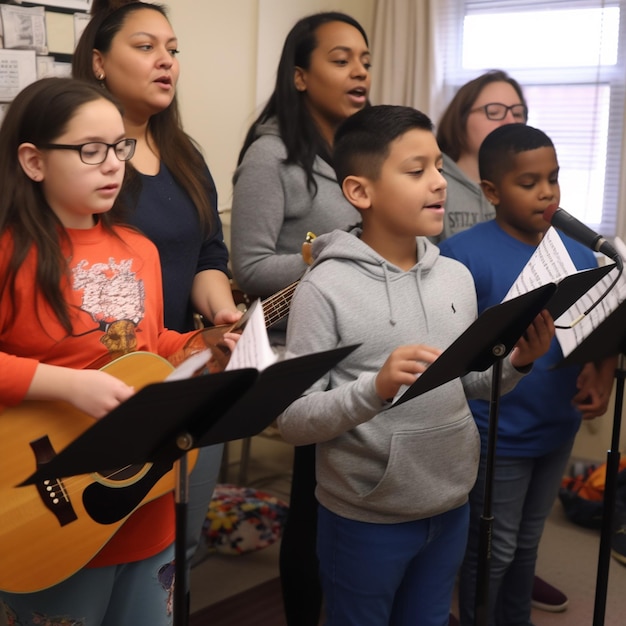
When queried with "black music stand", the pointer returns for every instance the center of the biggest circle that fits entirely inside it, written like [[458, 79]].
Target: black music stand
[[608, 339], [485, 343], [163, 421], [490, 337], [573, 287]]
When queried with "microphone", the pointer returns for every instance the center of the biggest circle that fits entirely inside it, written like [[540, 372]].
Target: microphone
[[575, 229]]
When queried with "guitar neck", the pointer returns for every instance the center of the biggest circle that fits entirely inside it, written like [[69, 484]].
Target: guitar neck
[[277, 306]]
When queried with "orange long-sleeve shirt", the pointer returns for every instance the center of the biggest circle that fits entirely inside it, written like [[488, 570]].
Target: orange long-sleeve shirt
[[116, 298]]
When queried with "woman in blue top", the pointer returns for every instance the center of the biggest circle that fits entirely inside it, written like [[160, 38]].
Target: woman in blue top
[[129, 48]]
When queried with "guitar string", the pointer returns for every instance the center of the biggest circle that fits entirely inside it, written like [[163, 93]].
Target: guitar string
[[77, 484]]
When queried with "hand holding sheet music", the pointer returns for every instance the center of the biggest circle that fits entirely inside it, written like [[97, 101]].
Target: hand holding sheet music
[[253, 348]]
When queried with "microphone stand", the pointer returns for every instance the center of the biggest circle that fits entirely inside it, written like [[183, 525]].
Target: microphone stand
[[610, 491], [606, 340]]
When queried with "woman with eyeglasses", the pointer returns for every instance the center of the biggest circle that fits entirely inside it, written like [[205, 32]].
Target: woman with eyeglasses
[[129, 49], [478, 107], [492, 99]]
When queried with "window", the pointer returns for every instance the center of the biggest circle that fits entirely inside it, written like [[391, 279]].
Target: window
[[569, 56]]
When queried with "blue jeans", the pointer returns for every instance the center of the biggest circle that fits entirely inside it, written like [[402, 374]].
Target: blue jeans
[[202, 481], [390, 574], [523, 494], [131, 594]]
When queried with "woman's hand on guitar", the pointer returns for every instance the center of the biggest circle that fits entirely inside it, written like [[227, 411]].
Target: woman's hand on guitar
[[231, 339], [226, 317]]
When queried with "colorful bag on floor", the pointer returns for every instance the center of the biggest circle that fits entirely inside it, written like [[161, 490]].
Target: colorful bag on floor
[[582, 495], [241, 519]]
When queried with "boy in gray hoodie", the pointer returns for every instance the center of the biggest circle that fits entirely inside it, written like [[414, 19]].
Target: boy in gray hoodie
[[392, 483]]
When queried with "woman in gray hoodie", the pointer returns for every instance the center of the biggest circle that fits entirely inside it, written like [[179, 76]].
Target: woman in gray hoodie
[[285, 187]]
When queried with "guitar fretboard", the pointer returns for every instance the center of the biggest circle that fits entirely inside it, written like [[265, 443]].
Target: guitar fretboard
[[277, 306]]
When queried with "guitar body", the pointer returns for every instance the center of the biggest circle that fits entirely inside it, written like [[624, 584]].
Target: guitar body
[[51, 530]]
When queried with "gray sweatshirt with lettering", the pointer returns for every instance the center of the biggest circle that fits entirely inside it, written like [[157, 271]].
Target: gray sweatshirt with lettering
[[466, 204], [376, 463]]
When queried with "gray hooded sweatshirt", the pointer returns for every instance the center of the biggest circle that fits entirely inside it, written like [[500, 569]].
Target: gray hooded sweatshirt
[[375, 463], [273, 209]]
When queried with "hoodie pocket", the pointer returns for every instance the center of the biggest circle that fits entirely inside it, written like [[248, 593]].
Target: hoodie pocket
[[428, 472]]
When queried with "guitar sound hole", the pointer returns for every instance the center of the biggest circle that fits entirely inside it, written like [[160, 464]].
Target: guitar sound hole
[[123, 474]]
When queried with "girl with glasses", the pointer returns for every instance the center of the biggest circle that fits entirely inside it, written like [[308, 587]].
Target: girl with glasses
[[77, 287]]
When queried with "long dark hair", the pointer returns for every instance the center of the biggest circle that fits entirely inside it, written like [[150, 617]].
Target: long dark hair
[[39, 114], [452, 128], [298, 131], [178, 151]]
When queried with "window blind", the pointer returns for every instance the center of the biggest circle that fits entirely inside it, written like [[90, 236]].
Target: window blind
[[569, 57]]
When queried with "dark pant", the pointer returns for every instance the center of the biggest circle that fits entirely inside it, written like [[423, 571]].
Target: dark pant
[[299, 566], [523, 494]]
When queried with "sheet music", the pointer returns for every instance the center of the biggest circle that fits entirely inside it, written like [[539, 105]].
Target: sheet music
[[551, 263], [572, 337], [253, 348], [24, 27], [18, 69]]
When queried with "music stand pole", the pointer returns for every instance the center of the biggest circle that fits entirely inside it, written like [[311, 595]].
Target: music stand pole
[[481, 599], [181, 498], [485, 344], [610, 490], [608, 339]]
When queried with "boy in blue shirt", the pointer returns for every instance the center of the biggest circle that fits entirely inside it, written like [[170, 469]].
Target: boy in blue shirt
[[539, 419]]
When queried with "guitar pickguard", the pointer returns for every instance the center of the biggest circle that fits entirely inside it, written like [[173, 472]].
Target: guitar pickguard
[[107, 504]]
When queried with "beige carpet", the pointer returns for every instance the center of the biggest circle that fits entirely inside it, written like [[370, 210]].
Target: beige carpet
[[568, 558]]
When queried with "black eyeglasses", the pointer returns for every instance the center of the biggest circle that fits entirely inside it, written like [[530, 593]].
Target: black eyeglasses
[[497, 111], [95, 152]]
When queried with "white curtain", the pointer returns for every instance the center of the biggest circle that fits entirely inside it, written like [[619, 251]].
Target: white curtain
[[406, 67]]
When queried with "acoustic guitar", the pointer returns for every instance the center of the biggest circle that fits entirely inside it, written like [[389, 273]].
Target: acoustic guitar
[[51, 530]]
